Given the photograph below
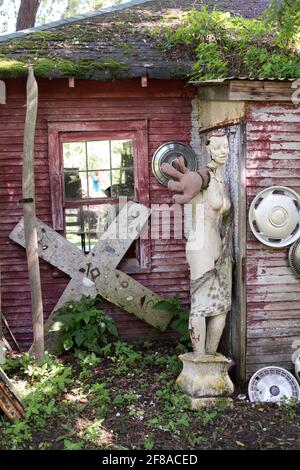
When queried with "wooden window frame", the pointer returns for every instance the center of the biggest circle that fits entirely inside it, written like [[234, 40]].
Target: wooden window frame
[[72, 129]]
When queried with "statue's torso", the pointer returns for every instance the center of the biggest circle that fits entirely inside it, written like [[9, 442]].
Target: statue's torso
[[204, 244]]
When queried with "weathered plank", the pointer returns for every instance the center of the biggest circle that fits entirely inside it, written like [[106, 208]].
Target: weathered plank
[[29, 211], [273, 294], [120, 289]]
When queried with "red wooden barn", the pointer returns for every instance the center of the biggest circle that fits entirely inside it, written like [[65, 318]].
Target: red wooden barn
[[104, 85]]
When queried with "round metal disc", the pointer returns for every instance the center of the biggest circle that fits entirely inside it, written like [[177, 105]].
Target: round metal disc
[[273, 384], [294, 257], [274, 216], [167, 153]]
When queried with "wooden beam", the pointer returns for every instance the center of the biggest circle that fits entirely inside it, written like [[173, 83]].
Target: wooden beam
[[241, 299], [214, 92], [29, 213], [127, 293], [71, 82], [260, 90], [247, 90], [144, 81]]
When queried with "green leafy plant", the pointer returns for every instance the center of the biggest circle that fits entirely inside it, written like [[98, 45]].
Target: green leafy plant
[[285, 16], [148, 443], [84, 325], [125, 354], [181, 315], [223, 45]]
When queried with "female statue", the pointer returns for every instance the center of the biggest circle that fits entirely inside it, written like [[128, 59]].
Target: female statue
[[208, 250]]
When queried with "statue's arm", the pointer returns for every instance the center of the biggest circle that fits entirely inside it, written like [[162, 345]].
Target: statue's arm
[[187, 184]]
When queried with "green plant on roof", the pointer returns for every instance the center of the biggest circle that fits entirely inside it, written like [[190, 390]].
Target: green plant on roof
[[224, 45], [58, 67]]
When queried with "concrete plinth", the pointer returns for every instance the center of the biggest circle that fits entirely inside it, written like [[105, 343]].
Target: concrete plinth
[[205, 380]]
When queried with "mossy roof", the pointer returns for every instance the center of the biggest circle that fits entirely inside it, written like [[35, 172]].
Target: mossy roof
[[110, 44]]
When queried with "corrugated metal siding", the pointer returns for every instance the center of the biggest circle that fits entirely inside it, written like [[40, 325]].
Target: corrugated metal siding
[[166, 105], [273, 294]]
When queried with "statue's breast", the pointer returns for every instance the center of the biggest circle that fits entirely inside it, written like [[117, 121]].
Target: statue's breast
[[215, 195]]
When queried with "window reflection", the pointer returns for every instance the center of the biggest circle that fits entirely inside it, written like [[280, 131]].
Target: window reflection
[[95, 170], [98, 169]]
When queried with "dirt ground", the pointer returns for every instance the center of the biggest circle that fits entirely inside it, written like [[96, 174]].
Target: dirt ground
[[129, 400]]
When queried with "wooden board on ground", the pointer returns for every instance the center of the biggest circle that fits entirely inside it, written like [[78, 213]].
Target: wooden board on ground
[[9, 402]]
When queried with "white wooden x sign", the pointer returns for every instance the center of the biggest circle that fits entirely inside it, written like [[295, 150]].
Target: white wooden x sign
[[96, 272]]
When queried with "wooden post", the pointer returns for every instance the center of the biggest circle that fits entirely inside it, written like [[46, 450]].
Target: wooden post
[[30, 216], [1, 332]]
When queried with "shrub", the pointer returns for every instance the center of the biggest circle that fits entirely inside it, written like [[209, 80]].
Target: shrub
[[84, 325]]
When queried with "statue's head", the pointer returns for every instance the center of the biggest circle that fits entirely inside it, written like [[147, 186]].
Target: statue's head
[[218, 147]]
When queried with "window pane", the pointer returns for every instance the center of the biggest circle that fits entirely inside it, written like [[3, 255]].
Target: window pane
[[85, 225], [99, 184], [100, 219], [77, 227], [75, 184], [74, 155], [122, 183], [121, 153], [98, 155]]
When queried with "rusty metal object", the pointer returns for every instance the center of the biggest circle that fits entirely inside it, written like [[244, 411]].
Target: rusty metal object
[[9, 402]]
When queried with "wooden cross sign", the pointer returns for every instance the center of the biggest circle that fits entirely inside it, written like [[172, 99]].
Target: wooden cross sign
[[96, 272]]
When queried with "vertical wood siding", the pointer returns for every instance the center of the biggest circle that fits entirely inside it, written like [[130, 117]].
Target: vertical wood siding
[[166, 105], [273, 292]]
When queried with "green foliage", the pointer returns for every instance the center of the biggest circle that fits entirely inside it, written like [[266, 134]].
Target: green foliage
[[99, 399], [69, 445], [209, 63], [285, 16], [181, 315], [148, 443], [46, 383], [125, 354], [225, 45], [83, 325], [260, 62]]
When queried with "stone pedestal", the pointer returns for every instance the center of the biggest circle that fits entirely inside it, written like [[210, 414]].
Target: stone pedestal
[[205, 379]]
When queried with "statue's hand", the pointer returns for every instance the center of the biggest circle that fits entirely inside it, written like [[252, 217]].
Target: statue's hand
[[188, 183]]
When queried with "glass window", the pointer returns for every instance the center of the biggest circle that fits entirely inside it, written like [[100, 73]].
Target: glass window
[[95, 172], [98, 169]]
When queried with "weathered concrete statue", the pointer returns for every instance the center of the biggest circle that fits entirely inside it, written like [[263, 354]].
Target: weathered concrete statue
[[208, 252]]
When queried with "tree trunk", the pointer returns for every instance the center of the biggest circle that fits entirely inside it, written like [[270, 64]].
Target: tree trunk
[[27, 14], [30, 217]]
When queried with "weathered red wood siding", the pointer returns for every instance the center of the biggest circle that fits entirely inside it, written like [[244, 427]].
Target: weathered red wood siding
[[166, 105], [273, 292]]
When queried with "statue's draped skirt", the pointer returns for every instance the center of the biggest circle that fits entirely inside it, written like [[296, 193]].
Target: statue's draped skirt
[[211, 293]]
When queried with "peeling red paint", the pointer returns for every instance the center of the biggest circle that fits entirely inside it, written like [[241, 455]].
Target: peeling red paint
[[273, 294], [166, 105]]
